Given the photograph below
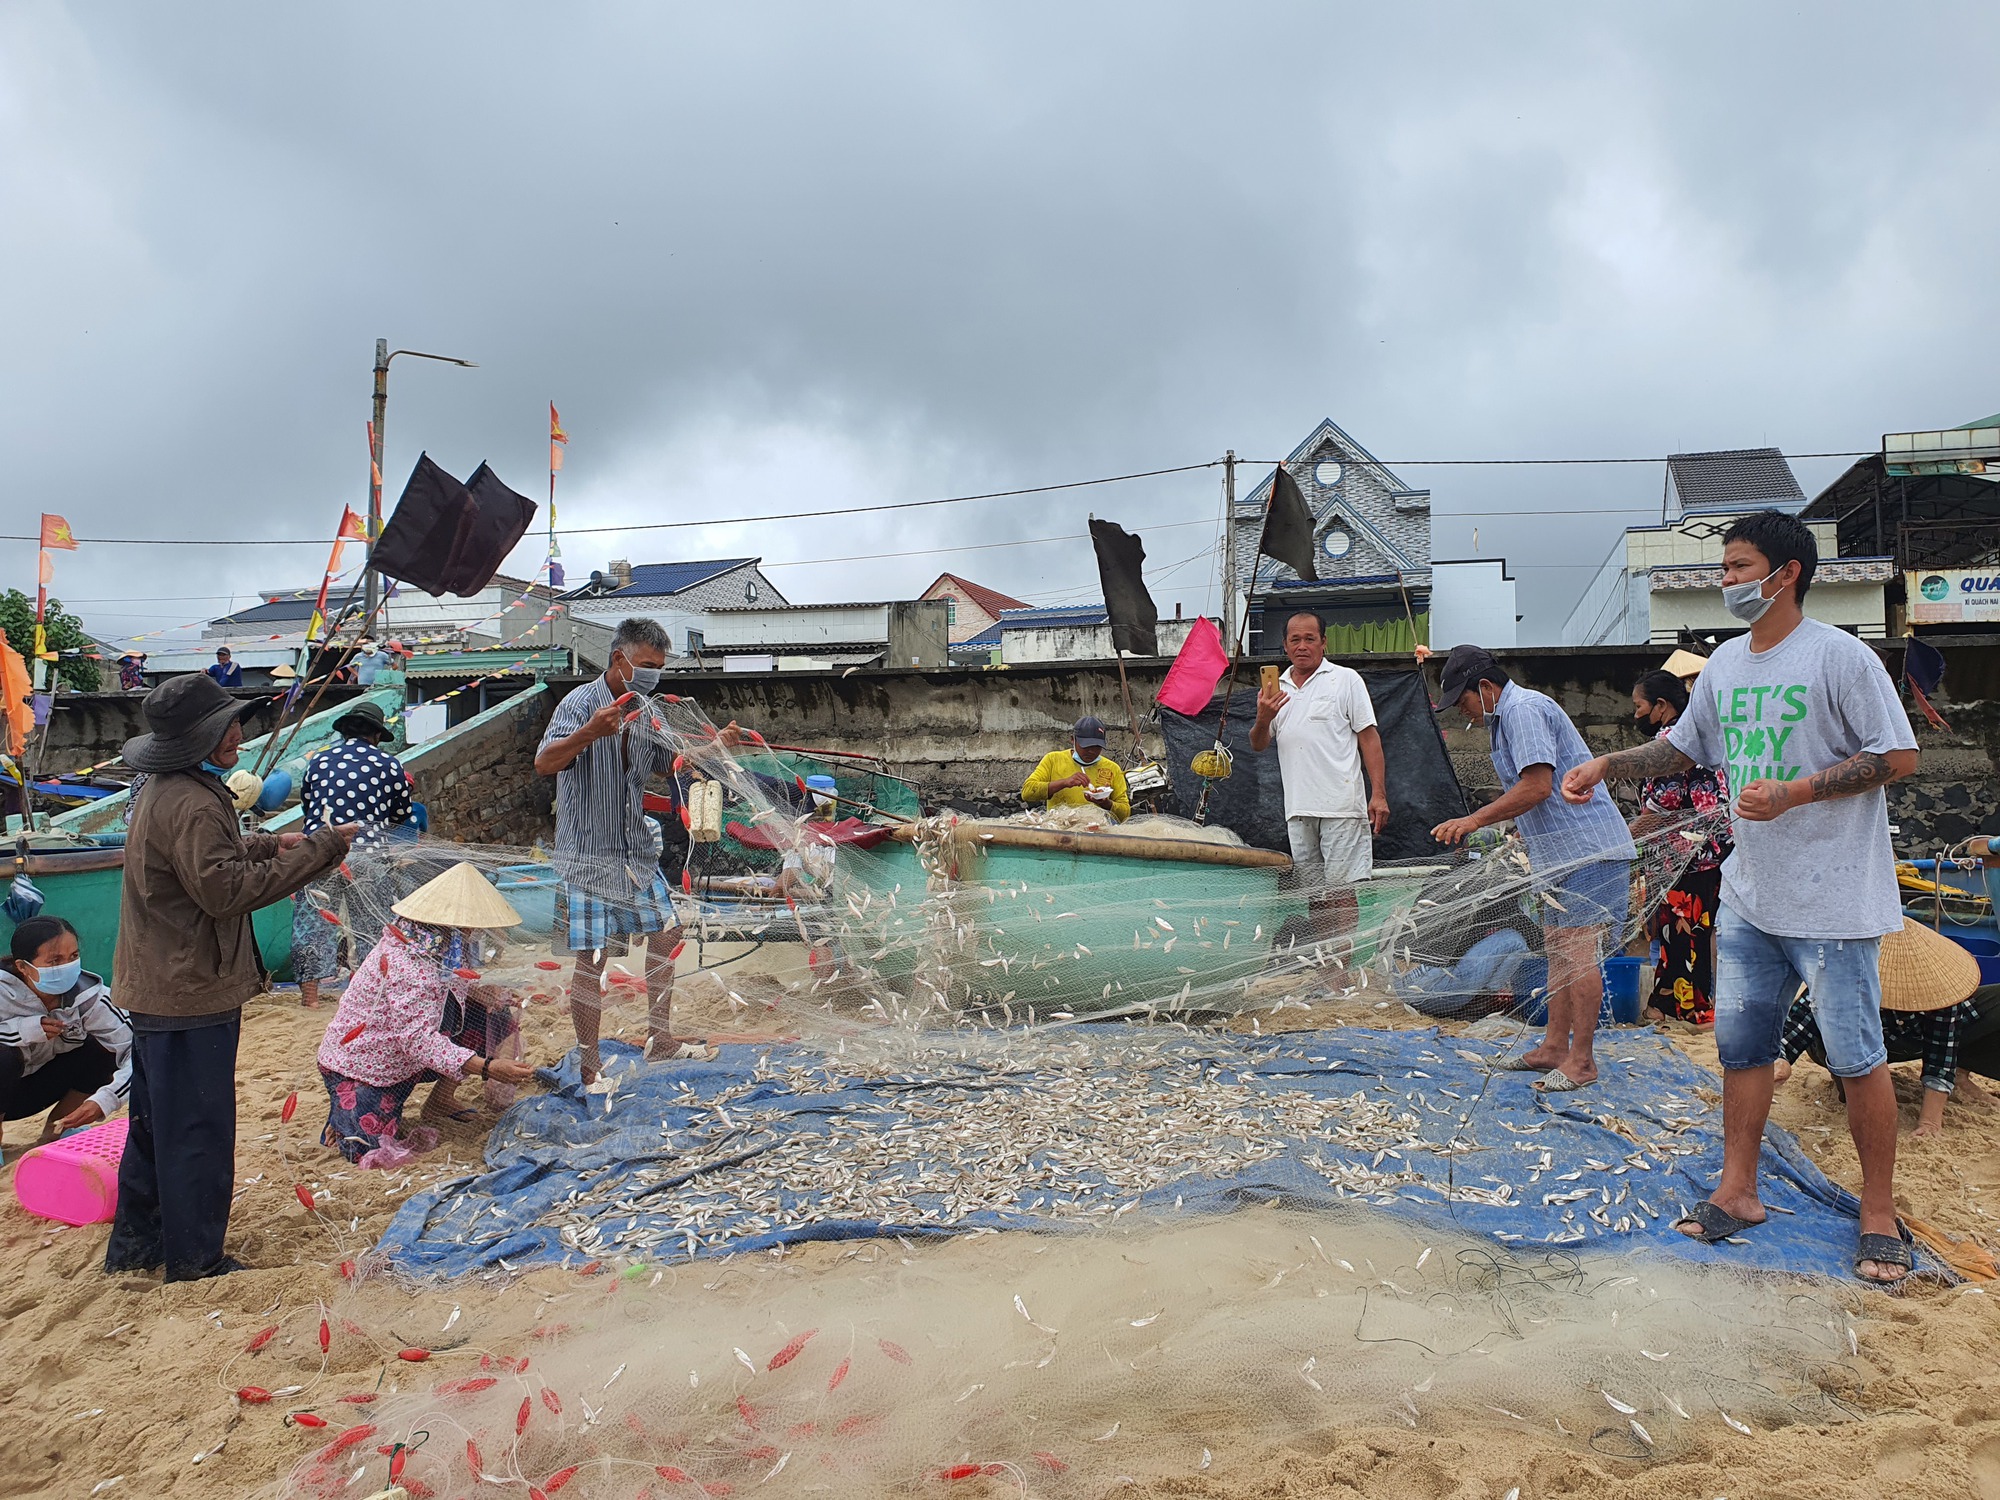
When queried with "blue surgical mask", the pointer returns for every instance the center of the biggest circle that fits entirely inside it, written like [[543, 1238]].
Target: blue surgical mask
[[1746, 601], [58, 979], [220, 773], [644, 679]]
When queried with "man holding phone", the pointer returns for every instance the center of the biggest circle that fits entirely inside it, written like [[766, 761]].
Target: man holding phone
[[1319, 715]]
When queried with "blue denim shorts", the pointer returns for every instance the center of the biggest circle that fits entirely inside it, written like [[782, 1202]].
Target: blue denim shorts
[[1593, 895], [1757, 975]]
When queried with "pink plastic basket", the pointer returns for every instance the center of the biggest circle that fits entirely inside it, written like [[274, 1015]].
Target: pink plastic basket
[[75, 1179]]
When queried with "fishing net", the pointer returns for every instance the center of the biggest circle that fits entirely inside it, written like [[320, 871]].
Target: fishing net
[[1154, 1351], [809, 1271]]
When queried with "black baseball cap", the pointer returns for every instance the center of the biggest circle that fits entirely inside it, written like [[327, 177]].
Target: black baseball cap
[[1090, 733], [1464, 669]]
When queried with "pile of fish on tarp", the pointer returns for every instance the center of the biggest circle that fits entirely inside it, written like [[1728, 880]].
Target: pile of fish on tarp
[[780, 1144]]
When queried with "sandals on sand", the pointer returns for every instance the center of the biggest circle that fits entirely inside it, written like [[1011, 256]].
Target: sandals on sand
[[1887, 1250], [687, 1052], [1714, 1222], [1556, 1081]]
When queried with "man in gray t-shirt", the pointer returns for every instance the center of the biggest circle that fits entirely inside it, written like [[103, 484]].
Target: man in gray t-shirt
[[1810, 729]]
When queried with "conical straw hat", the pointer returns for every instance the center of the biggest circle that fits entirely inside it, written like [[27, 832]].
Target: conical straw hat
[[1685, 664], [461, 897], [1922, 970]]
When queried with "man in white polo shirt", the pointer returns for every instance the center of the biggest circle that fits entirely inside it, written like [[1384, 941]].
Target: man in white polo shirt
[[1319, 714]]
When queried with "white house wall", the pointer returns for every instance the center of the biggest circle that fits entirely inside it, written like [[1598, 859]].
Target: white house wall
[[1080, 642], [1472, 602], [796, 625], [1602, 617], [1852, 606]]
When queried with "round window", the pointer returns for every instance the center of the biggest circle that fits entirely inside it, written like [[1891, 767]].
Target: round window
[[1327, 472], [1336, 543]]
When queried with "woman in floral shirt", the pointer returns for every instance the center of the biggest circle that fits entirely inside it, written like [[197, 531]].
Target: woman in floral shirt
[[413, 1013], [1683, 924]]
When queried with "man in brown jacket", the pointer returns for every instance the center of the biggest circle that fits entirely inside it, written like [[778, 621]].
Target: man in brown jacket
[[186, 962]]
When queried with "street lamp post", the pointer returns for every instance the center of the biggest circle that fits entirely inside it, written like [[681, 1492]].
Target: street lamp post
[[382, 358]]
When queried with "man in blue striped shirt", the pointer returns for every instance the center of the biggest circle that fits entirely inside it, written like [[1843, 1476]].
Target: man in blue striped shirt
[[1581, 853], [606, 852]]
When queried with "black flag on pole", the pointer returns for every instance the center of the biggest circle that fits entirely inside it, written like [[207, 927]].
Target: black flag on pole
[[1121, 558], [450, 537], [1288, 527]]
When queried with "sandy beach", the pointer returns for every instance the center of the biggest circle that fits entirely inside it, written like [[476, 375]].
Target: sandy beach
[[119, 1379]]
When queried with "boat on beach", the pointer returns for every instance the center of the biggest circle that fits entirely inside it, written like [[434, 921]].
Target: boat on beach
[[78, 861]]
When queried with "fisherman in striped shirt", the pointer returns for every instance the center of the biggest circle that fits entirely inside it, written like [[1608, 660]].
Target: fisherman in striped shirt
[[606, 852]]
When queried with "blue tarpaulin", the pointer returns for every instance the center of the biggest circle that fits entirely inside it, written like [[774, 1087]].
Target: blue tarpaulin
[[1604, 1169]]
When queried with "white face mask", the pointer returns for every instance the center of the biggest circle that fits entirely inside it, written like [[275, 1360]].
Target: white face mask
[[641, 679], [58, 979], [1746, 601]]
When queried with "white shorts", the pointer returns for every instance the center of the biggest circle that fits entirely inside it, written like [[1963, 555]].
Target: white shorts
[[1331, 851]]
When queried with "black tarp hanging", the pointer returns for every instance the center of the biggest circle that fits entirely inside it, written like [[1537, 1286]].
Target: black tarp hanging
[[1121, 559], [1423, 789], [447, 537], [1288, 527]]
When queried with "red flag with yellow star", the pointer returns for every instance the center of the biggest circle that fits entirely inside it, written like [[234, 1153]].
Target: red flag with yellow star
[[56, 533]]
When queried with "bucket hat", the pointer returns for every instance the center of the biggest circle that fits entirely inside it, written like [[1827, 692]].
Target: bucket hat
[[1924, 970], [362, 717], [189, 714], [461, 897]]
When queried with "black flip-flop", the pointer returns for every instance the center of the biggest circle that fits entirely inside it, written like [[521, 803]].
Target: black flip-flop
[[1715, 1223], [1886, 1250]]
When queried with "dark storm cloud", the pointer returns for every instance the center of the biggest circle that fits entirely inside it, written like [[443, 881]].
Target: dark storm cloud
[[771, 258]]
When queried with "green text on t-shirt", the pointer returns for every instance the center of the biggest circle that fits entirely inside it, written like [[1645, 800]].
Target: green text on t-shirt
[[1757, 723]]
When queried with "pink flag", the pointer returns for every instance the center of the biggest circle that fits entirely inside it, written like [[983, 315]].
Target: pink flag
[[1192, 678]]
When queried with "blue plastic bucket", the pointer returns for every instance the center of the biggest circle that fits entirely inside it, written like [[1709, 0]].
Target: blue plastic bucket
[[1624, 982], [1987, 951], [532, 891], [1622, 990]]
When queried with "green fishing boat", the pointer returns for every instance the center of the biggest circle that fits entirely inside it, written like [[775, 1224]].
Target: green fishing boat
[[1085, 923], [78, 861]]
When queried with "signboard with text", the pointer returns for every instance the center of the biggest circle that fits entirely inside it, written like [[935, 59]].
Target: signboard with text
[[1953, 596]]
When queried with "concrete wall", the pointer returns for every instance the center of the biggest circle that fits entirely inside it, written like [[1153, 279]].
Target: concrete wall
[[479, 783], [970, 736], [92, 727]]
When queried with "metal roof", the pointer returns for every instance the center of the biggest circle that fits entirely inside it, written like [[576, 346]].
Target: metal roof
[[658, 580], [489, 663], [274, 613], [1735, 479]]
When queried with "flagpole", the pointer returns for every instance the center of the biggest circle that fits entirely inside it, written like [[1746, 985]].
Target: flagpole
[[1229, 544], [556, 437]]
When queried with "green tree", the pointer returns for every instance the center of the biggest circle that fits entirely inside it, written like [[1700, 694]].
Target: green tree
[[63, 632]]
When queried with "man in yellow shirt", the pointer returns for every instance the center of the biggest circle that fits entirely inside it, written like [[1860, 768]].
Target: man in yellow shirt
[[1082, 776]]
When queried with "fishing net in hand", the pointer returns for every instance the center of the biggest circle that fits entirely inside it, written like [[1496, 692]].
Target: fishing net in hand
[[856, 911]]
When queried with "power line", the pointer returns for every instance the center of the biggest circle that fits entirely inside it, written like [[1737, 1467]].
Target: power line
[[900, 505], [795, 515]]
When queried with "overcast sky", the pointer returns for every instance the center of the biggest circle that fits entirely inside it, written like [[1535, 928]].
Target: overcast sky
[[778, 257]]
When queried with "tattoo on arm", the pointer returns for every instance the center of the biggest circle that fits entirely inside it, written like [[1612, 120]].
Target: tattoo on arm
[[1853, 776], [1654, 758]]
